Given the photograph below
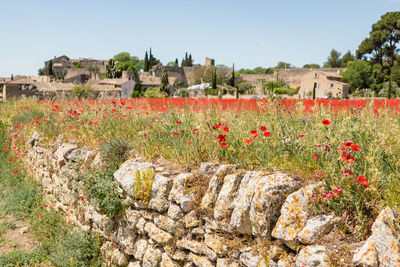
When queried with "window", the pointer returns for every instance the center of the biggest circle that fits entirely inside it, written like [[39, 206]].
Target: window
[[316, 75], [332, 85]]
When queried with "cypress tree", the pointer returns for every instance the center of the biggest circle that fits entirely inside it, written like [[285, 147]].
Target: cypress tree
[[165, 83], [50, 70], [176, 63], [233, 75], [190, 61], [314, 91], [146, 62], [214, 79]]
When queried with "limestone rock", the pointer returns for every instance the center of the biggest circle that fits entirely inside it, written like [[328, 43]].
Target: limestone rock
[[250, 259], [196, 247], [120, 258], [165, 223], [224, 262], [191, 220], [34, 139], [80, 155], [101, 223], [166, 261], [366, 256], [181, 194], [140, 248], [200, 261], [208, 167], [125, 238], [240, 219], [63, 151], [152, 257], [269, 195], [315, 228], [214, 186], [312, 256], [159, 193], [217, 243], [126, 176], [134, 264], [132, 218], [140, 225], [384, 238], [294, 214], [275, 252], [175, 212], [157, 234], [224, 203]]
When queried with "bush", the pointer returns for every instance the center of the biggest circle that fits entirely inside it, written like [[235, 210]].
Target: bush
[[286, 91], [154, 92], [135, 94], [82, 91], [113, 153], [245, 87], [182, 92]]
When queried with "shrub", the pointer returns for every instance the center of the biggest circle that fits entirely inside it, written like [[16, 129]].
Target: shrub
[[245, 87], [113, 153], [182, 92], [82, 91], [286, 91], [154, 92]]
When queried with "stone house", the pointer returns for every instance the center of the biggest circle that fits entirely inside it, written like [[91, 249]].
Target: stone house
[[20, 87], [125, 86], [63, 64], [327, 84]]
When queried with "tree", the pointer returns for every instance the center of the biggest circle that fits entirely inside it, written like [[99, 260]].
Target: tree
[[283, 65], [358, 75], [164, 87], [233, 76], [348, 57], [176, 63], [111, 70], [395, 73], [124, 61], [311, 66], [383, 39], [314, 91], [41, 71], [334, 60], [146, 62], [50, 68], [214, 78]]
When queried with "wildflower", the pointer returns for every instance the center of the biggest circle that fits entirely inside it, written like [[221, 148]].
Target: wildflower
[[362, 180], [338, 190], [69, 222], [355, 147], [253, 132], [301, 135], [347, 157], [315, 156], [175, 133], [221, 138], [25, 212], [347, 172], [224, 145], [226, 129], [267, 134], [178, 122], [195, 131], [314, 197], [248, 142], [327, 148], [304, 120], [190, 142], [15, 172], [263, 128], [348, 144], [41, 215], [326, 122]]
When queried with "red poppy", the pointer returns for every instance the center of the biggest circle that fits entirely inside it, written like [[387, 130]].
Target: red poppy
[[248, 142], [178, 122], [226, 129], [221, 138], [348, 157], [40, 215], [315, 156], [326, 122], [347, 144], [301, 135], [355, 147], [338, 191], [253, 132], [25, 212], [362, 180], [190, 142], [15, 172], [263, 128], [347, 172], [196, 131], [267, 134], [175, 133], [224, 145]]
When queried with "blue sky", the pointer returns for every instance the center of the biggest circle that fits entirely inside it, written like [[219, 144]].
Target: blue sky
[[248, 33]]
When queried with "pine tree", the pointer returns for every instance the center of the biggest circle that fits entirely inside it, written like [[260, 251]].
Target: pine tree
[[146, 62], [214, 79]]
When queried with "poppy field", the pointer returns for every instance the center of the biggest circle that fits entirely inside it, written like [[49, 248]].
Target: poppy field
[[351, 145]]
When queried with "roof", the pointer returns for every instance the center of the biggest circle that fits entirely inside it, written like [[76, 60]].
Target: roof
[[108, 81], [23, 80], [57, 87]]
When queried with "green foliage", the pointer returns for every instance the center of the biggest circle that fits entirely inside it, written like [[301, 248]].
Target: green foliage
[[78, 66], [334, 60], [146, 63], [286, 91], [283, 65], [358, 75], [214, 79], [314, 93], [245, 87], [82, 91], [50, 68], [113, 153], [348, 57], [182, 92], [137, 90], [112, 70], [187, 61], [395, 73], [257, 70], [154, 92], [143, 184], [311, 66], [42, 71], [124, 61], [165, 87], [28, 116], [388, 89]]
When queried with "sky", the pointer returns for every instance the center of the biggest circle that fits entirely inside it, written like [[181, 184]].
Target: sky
[[248, 33]]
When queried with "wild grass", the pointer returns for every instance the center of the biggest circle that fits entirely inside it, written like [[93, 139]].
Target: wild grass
[[298, 142]]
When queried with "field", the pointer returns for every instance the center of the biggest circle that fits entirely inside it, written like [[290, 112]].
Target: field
[[352, 145]]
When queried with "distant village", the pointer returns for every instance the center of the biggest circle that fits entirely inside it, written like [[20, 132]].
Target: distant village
[[61, 76]]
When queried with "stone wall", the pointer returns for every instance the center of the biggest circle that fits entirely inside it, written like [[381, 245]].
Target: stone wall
[[214, 215]]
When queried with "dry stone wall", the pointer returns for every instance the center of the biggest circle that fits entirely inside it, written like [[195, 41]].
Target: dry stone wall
[[213, 216]]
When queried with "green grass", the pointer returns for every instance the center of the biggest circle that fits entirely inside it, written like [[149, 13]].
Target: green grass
[[58, 243]]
